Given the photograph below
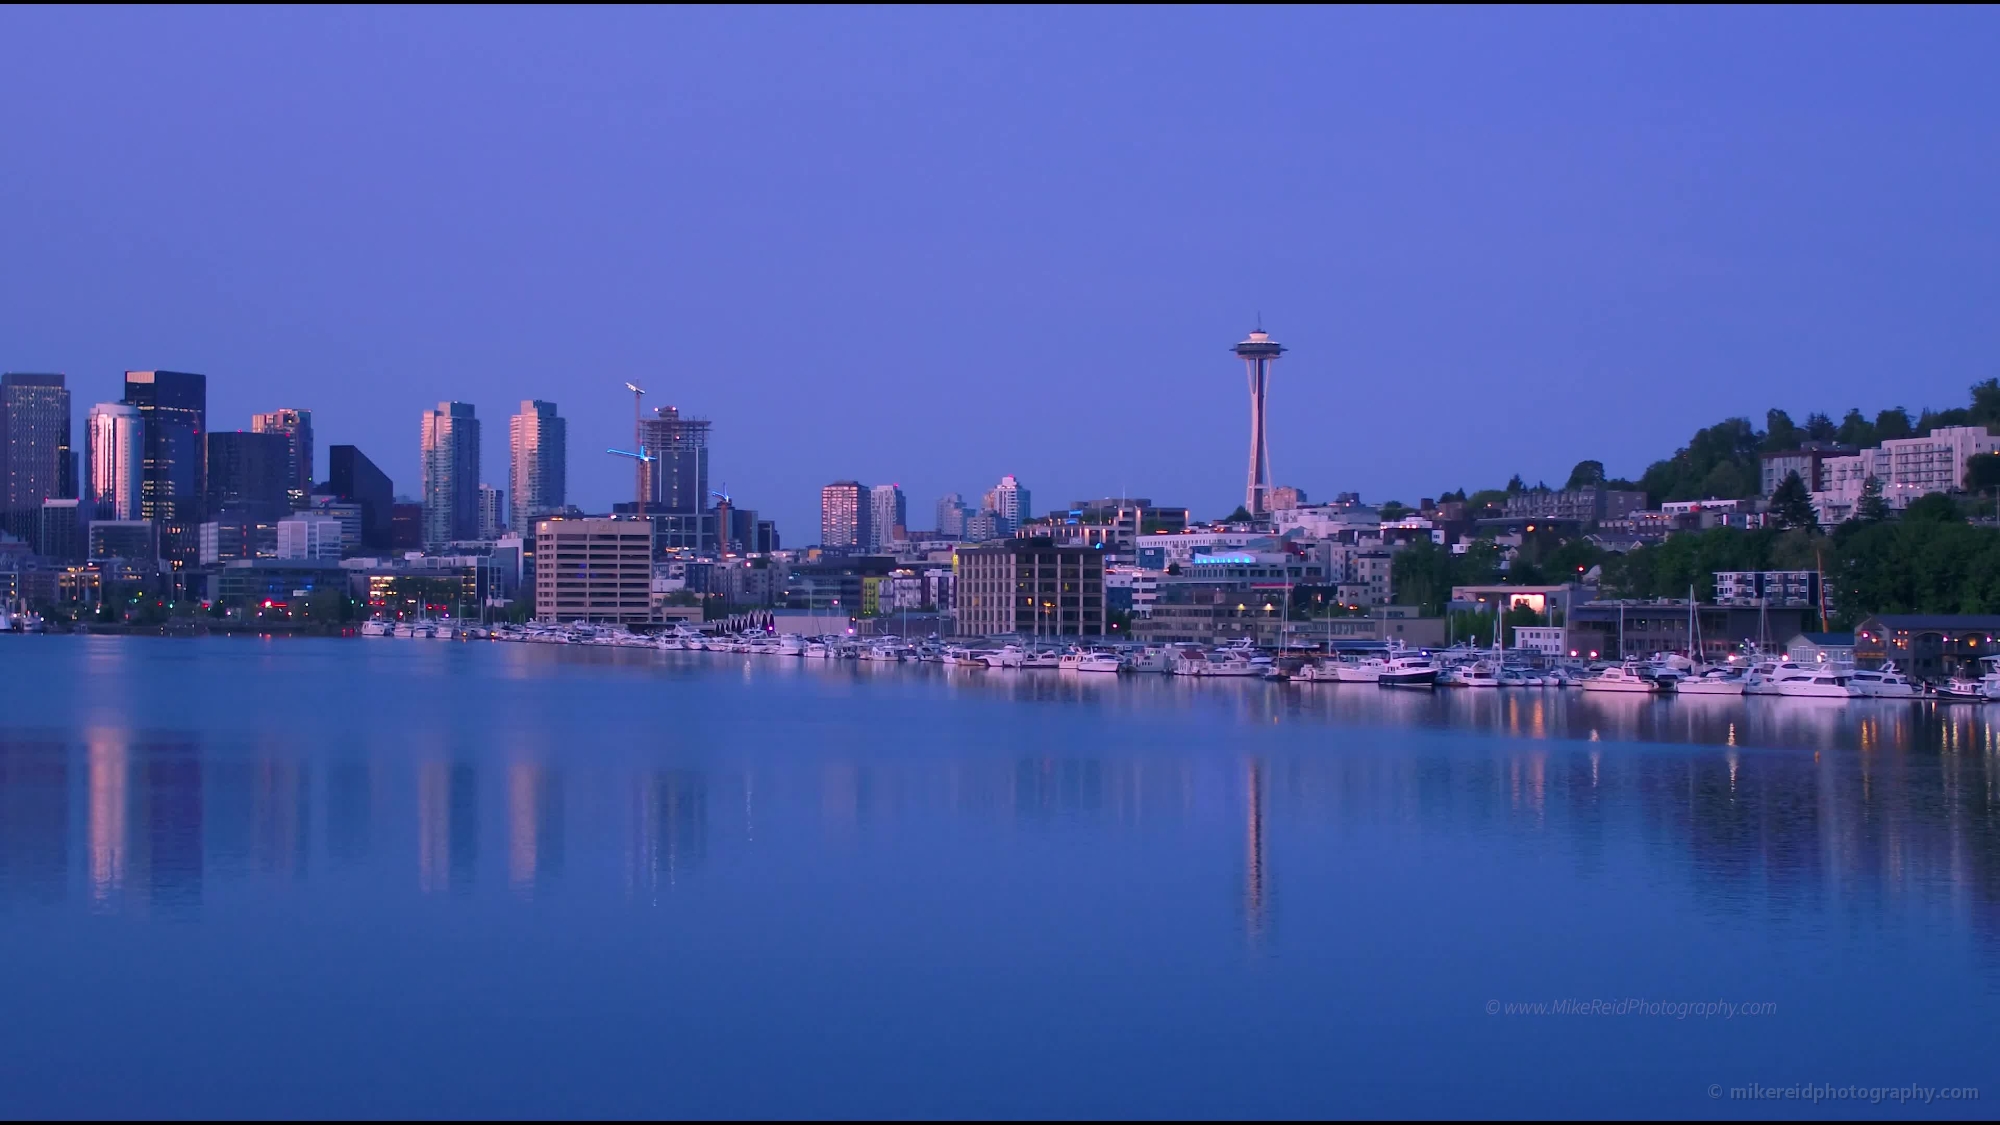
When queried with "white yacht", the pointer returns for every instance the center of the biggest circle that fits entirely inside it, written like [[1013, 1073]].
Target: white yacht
[[1882, 683], [1194, 661], [1765, 676], [378, 627], [1824, 684], [1362, 670], [1100, 662], [1621, 677], [1715, 681], [1006, 656], [1479, 673]]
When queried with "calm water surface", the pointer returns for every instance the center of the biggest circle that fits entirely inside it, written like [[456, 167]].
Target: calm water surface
[[406, 877]]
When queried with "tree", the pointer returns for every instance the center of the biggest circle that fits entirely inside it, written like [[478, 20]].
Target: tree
[[1515, 486], [1856, 431], [1780, 433], [1585, 475], [1872, 508], [1240, 515], [1894, 423], [1935, 507], [1791, 504], [1393, 510], [1819, 427], [1982, 472]]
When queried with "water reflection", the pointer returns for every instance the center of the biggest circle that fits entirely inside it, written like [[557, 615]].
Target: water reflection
[[1763, 807]]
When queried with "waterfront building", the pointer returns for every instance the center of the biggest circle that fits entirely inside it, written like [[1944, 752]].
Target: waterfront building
[[951, 516], [1615, 630], [34, 448], [1259, 353], [492, 511], [173, 407], [888, 516], [835, 585], [1926, 645], [678, 479], [114, 443], [451, 474], [309, 536], [297, 428], [281, 582], [249, 473], [845, 511], [538, 465], [1031, 587], [351, 476], [598, 570], [1821, 648]]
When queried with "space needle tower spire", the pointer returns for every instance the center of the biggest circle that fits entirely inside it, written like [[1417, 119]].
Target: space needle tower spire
[[1258, 353]]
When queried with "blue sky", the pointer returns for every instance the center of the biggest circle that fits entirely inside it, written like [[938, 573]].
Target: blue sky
[[935, 246]]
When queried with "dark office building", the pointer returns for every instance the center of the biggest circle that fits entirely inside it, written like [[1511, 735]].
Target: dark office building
[[34, 427], [249, 474], [60, 536], [297, 428], [353, 477], [678, 482], [173, 408], [406, 526]]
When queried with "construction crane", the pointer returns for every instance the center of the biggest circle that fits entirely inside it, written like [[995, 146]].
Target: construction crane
[[643, 457]]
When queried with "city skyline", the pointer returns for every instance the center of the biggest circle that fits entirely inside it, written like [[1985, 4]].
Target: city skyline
[[1525, 224]]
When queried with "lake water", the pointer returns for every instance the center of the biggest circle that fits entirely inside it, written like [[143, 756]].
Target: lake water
[[397, 877]]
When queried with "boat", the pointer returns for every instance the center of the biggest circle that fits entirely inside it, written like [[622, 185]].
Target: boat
[[1191, 660], [1882, 683], [1364, 670], [1478, 674], [1825, 684], [1765, 676], [378, 627], [1715, 681], [1152, 658], [1621, 678], [1406, 671], [1100, 662], [1007, 656]]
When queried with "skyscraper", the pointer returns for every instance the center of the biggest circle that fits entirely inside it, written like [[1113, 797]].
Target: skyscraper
[[451, 474], [679, 447], [1009, 500], [951, 514], [538, 468], [114, 444], [34, 425], [297, 426], [1258, 352], [249, 475], [173, 406], [887, 511], [352, 476], [492, 511], [844, 514]]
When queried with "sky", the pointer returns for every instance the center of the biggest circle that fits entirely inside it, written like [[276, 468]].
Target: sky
[[934, 246]]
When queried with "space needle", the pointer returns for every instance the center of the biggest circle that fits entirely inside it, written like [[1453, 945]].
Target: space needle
[[1259, 352]]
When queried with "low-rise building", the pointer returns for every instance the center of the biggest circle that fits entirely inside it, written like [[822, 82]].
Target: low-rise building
[[1821, 648], [1927, 645]]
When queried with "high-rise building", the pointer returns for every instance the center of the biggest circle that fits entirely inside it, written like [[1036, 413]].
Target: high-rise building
[[114, 444], [34, 427], [844, 515], [538, 467], [249, 474], [951, 515], [309, 535], [1009, 500], [353, 477], [406, 525], [492, 511], [1030, 587], [297, 426], [174, 481], [679, 448], [61, 534], [887, 512], [451, 474], [1258, 353]]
